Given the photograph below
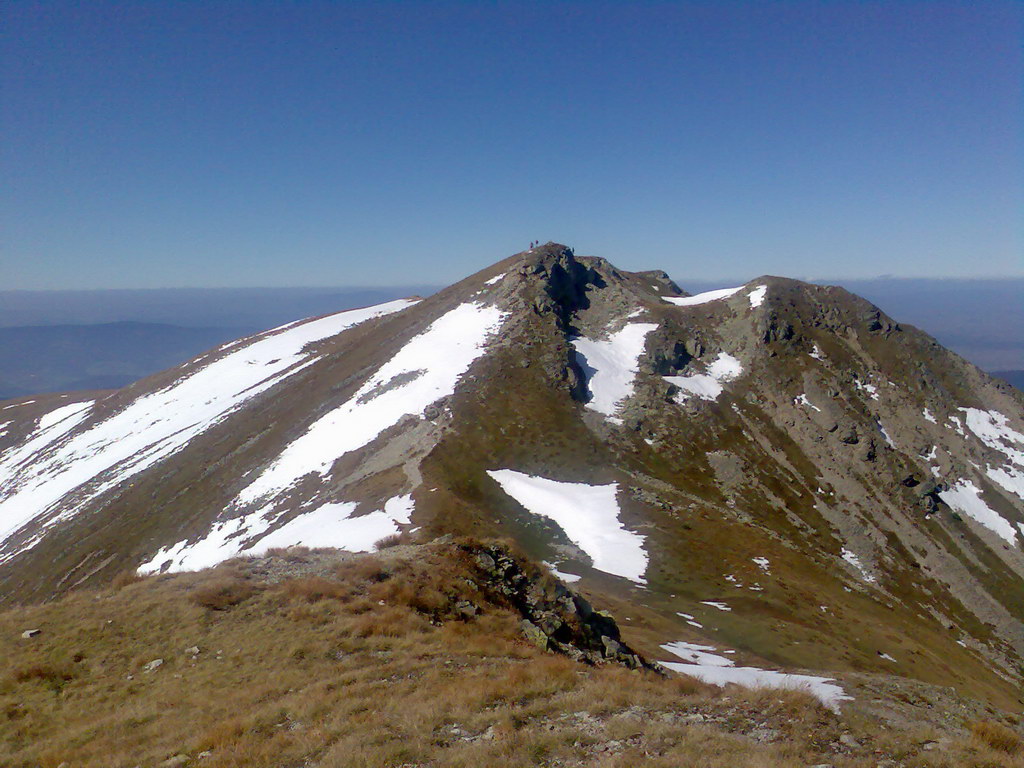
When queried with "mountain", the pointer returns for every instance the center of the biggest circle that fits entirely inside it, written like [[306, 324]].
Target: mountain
[[777, 469]]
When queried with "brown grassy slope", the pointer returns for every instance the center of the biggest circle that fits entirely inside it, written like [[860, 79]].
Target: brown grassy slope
[[363, 662]]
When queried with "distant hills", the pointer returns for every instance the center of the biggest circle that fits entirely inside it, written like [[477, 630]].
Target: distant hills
[[57, 358], [60, 341], [53, 341]]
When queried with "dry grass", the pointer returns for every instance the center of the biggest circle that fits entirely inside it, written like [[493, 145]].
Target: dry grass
[[996, 736], [388, 541], [222, 593], [372, 665]]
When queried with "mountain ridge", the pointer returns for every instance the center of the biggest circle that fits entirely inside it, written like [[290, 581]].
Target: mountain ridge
[[774, 450]]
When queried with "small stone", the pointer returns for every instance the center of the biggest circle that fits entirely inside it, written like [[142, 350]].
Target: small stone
[[848, 741], [203, 755], [28, 634], [175, 762], [154, 664], [193, 651]]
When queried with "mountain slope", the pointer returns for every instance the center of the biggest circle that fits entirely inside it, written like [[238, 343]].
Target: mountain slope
[[763, 468], [404, 657]]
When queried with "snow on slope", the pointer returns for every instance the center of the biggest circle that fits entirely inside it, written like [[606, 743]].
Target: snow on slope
[[702, 298], [708, 386], [330, 525], [427, 368], [589, 515], [611, 365], [757, 295], [993, 429], [965, 497], [718, 670], [36, 477]]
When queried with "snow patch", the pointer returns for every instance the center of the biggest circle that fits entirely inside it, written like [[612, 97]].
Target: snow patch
[[757, 295], [993, 429], [426, 369], [17, 405], [716, 604], [58, 415], [495, 279], [928, 416], [1010, 478], [702, 298], [330, 525], [708, 386], [709, 667], [802, 400], [698, 654], [856, 562], [871, 389], [816, 353], [762, 563], [885, 434], [589, 516], [610, 366], [568, 578], [965, 497]]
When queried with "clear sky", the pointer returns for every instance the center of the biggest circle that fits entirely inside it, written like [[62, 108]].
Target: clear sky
[[213, 143]]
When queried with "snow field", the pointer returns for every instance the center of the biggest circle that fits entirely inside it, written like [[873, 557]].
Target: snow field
[[589, 516], [707, 386], [964, 496], [702, 298], [611, 365], [701, 663], [426, 369], [330, 525]]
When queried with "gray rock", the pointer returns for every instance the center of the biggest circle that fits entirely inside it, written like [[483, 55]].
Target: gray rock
[[764, 734], [534, 634], [154, 664], [28, 634], [175, 762], [193, 651], [612, 648]]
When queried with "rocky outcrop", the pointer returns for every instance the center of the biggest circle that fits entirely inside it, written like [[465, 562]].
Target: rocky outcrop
[[553, 616]]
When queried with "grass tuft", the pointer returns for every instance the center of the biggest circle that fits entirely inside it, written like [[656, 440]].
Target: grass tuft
[[997, 736], [222, 593]]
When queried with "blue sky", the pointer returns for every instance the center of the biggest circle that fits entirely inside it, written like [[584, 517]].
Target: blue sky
[[274, 144]]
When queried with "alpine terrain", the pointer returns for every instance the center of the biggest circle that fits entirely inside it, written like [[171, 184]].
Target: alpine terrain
[[774, 485]]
